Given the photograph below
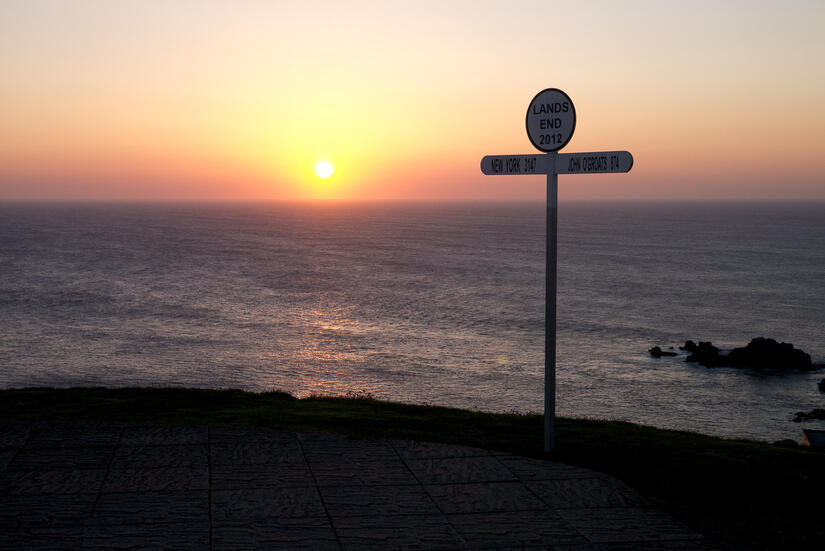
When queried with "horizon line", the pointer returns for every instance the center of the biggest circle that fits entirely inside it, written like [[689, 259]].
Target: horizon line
[[463, 200]]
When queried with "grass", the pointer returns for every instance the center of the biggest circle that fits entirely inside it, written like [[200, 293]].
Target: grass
[[737, 492]]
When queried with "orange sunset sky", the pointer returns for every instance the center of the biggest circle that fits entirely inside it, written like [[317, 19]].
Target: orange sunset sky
[[238, 100]]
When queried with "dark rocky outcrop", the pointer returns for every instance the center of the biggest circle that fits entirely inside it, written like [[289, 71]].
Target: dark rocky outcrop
[[705, 353], [657, 352], [760, 353], [822, 384], [817, 413], [689, 346]]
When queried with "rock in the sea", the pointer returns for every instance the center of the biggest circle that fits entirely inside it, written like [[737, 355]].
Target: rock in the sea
[[822, 385], [762, 353], [689, 346], [657, 352], [706, 354], [817, 413]]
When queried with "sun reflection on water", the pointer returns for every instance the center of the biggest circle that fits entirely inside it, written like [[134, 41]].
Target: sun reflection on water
[[332, 346]]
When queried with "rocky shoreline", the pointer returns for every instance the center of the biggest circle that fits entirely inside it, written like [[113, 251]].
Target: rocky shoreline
[[814, 414], [760, 353]]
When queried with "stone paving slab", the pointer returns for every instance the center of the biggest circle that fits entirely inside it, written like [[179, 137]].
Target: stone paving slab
[[33, 459], [44, 514], [6, 456], [672, 545], [365, 501], [149, 456], [134, 487], [575, 493], [351, 469], [289, 472], [515, 529], [52, 481], [283, 533], [186, 536], [30, 542], [253, 453], [452, 470], [266, 503], [483, 497], [345, 451], [157, 479], [190, 506], [431, 531], [410, 449], [525, 468], [626, 525], [13, 435]]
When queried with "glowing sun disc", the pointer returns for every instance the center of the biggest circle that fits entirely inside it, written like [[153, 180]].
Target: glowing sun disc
[[324, 169]]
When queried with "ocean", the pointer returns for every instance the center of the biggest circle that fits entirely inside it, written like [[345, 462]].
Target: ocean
[[439, 303]]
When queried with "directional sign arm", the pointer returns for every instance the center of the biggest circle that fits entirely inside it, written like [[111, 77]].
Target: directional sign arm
[[594, 163], [514, 164]]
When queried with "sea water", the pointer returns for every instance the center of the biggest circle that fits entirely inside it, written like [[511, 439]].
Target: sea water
[[421, 303]]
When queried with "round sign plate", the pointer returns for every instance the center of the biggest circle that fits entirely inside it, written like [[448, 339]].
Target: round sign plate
[[551, 120]]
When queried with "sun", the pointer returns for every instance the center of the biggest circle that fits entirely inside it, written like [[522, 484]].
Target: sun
[[324, 169]]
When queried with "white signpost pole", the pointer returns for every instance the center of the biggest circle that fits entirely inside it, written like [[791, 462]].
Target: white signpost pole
[[551, 256], [550, 122]]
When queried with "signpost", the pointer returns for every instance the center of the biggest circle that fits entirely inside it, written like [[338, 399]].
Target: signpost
[[550, 122]]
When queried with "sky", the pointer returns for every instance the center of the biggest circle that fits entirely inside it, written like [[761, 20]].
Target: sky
[[239, 100]]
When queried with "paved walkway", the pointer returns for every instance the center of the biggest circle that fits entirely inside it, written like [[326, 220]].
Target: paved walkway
[[135, 487]]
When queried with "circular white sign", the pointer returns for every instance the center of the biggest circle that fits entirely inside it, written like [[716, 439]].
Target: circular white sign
[[551, 120]]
